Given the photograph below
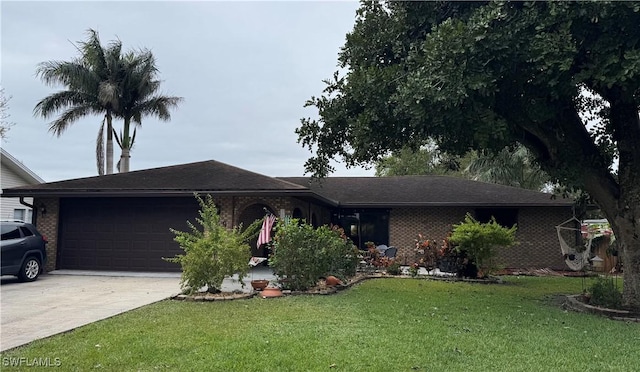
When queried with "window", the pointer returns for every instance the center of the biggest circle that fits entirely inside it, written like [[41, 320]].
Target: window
[[19, 214], [506, 217], [10, 232], [363, 225], [25, 231]]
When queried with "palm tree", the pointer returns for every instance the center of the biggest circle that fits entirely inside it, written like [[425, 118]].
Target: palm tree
[[91, 82], [512, 166], [140, 98]]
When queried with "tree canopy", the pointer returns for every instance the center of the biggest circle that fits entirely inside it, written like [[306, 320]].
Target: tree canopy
[[424, 160], [561, 78], [511, 166]]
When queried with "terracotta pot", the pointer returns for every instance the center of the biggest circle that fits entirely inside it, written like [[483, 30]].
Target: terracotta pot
[[271, 292], [259, 285], [332, 281]]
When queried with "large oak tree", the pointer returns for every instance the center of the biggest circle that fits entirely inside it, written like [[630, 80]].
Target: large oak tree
[[561, 78]]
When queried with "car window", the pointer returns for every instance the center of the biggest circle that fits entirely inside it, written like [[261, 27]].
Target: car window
[[10, 232], [25, 231]]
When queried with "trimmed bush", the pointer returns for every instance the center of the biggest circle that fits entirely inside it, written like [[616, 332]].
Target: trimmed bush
[[302, 255]]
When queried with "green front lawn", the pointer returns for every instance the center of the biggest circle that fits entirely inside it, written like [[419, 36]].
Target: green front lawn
[[379, 325]]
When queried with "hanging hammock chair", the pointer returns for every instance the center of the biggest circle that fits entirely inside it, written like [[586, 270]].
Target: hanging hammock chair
[[576, 257]]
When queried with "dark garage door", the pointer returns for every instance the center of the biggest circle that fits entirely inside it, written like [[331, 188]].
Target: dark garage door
[[129, 234]]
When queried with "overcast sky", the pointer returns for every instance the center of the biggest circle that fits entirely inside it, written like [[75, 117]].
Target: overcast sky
[[244, 69]]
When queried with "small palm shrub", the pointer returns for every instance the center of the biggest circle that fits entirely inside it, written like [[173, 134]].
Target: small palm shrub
[[214, 252], [303, 254]]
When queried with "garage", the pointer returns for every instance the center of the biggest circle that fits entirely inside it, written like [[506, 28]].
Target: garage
[[124, 234]]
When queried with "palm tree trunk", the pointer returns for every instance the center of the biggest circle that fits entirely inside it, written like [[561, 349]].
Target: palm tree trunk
[[126, 146], [124, 160], [109, 144]]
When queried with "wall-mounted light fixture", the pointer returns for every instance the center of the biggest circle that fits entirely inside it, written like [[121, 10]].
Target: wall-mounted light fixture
[[43, 209]]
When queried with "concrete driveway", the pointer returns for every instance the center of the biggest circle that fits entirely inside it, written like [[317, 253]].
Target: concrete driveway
[[61, 301]]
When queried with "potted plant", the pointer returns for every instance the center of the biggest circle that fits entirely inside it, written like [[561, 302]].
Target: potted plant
[[257, 284]]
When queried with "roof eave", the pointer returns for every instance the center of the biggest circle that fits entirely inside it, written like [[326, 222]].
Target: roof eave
[[162, 193], [450, 204]]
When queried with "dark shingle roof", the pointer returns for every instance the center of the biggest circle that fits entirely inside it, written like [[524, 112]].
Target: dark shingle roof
[[219, 178], [423, 191], [203, 176]]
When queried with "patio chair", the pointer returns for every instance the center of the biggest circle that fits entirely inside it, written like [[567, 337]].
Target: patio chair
[[391, 252], [382, 248]]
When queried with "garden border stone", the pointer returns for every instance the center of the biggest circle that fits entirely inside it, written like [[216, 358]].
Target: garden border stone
[[573, 303]]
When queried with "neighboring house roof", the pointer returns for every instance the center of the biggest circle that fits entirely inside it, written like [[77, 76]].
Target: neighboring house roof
[[350, 192], [20, 170], [354, 192]]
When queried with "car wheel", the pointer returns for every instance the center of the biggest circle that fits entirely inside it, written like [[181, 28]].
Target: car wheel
[[30, 269]]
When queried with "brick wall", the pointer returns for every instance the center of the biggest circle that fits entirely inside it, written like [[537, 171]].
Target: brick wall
[[47, 224], [538, 245], [406, 223]]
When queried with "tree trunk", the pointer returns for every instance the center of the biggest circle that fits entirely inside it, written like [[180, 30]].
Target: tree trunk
[[109, 144], [625, 219], [124, 160], [628, 240], [125, 142]]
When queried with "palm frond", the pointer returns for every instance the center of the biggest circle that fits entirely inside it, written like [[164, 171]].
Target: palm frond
[[158, 106], [92, 52], [75, 75], [58, 126], [133, 138], [64, 99], [117, 138]]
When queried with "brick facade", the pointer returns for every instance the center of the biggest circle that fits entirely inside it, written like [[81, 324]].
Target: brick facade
[[47, 224], [537, 247]]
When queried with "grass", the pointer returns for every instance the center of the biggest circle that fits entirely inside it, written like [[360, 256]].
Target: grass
[[379, 325]]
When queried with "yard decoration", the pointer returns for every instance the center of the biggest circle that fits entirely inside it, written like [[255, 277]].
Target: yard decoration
[[214, 252], [576, 257], [476, 242]]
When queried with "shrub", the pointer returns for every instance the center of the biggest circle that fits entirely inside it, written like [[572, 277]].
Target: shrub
[[394, 268], [302, 254], [604, 293], [479, 240], [214, 252]]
